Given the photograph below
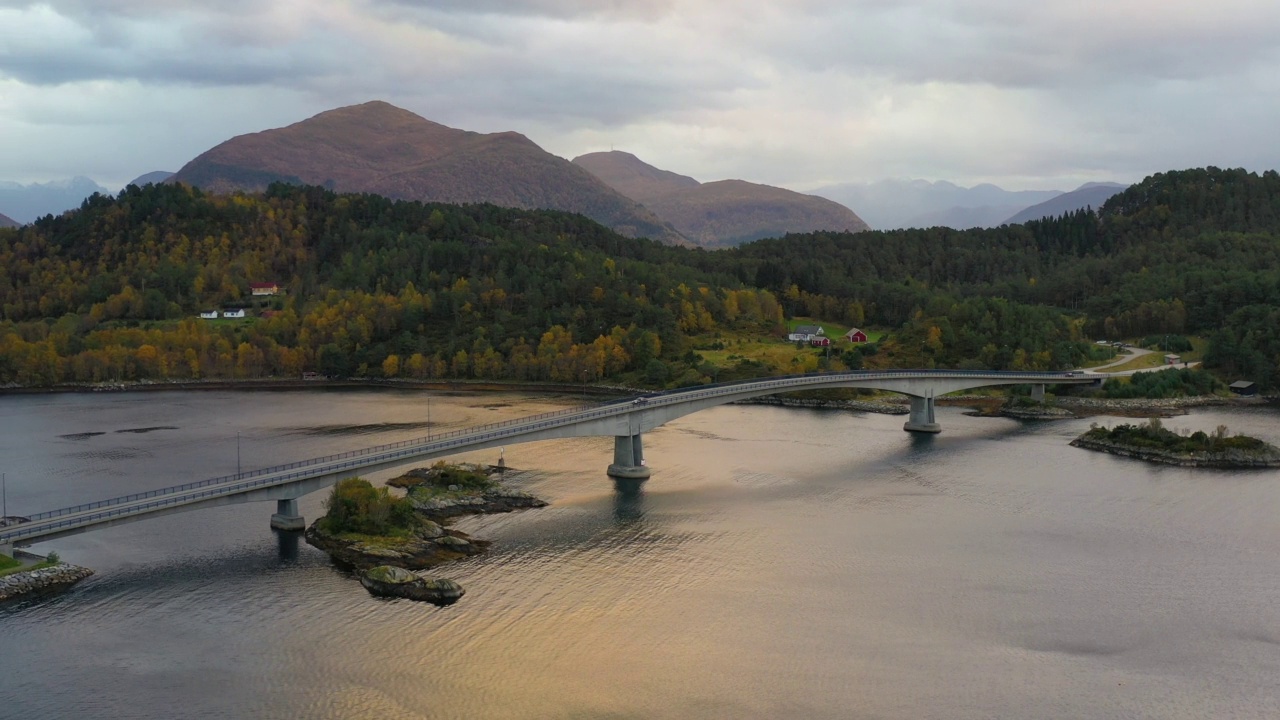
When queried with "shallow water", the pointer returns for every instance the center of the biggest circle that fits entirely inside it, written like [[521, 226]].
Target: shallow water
[[780, 563]]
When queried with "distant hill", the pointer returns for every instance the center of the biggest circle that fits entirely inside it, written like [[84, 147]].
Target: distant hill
[[896, 204], [8, 222], [26, 203], [1089, 195], [965, 218], [155, 177], [382, 149], [723, 213]]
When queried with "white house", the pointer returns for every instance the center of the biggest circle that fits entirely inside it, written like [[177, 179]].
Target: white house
[[268, 288], [209, 314], [805, 333], [238, 313]]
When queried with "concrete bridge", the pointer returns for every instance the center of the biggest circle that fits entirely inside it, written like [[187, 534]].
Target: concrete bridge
[[625, 420]]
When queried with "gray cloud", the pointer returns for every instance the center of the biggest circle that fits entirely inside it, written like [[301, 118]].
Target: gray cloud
[[798, 93]]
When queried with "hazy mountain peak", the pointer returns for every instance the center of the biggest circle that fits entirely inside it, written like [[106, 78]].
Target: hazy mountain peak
[[891, 204], [26, 203], [8, 222], [154, 177]]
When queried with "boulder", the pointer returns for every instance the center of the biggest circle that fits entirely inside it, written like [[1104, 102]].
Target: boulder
[[391, 581]]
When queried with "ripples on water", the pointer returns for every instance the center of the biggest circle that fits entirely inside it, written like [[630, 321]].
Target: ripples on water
[[780, 563]]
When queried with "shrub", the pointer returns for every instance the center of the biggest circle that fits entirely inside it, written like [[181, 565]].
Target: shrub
[[356, 506]]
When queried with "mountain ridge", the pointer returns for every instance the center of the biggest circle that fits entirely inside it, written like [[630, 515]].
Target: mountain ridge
[[379, 148], [896, 204], [720, 213]]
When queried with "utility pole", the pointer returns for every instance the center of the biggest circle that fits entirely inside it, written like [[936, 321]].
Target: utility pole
[[237, 453], [4, 497], [428, 417]]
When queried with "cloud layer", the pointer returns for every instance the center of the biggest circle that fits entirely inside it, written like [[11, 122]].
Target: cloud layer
[[798, 93]]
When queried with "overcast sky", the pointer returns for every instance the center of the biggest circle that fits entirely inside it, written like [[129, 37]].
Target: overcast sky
[[1023, 93]]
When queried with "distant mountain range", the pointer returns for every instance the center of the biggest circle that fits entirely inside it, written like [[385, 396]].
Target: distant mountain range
[[8, 222], [722, 213], [154, 177], [1089, 195], [26, 203], [379, 148], [893, 204]]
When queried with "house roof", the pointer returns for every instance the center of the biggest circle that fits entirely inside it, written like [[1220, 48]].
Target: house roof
[[807, 329], [261, 286], [853, 331], [1242, 384]]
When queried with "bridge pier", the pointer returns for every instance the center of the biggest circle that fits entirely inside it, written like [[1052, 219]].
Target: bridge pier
[[628, 458], [287, 517], [6, 549], [1037, 392], [922, 419]]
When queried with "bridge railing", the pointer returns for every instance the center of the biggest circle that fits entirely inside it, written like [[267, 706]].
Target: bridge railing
[[343, 461], [232, 484], [301, 463]]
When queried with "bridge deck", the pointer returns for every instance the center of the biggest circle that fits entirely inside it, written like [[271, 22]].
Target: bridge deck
[[71, 519]]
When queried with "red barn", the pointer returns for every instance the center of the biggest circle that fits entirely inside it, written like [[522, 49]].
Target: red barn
[[855, 336]]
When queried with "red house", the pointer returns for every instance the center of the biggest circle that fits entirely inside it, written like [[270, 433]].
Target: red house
[[820, 342], [855, 336]]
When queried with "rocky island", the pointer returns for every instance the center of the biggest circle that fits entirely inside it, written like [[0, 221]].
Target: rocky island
[[384, 537], [1155, 443]]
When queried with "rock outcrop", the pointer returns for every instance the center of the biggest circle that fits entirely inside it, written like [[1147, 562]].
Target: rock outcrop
[[431, 545], [392, 581], [49, 579]]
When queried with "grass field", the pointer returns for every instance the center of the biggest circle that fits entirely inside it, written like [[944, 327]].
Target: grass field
[[13, 566]]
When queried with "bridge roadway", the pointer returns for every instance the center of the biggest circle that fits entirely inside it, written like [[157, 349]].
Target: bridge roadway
[[626, 420]]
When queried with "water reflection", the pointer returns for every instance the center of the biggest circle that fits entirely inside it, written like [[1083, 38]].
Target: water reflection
[[287, 545], [628, 500]]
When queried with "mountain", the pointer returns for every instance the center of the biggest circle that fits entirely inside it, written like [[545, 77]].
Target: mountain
[[25, 203], [632, 176], [716, 214], [8, 222], [1089, 195], [382, 149], [896, 204], [154, 177]]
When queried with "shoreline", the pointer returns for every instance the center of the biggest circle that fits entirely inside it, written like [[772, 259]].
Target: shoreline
[[300, 384], [894, 405]]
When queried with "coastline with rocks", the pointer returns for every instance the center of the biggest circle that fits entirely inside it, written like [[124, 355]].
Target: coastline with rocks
[[41, 580], [1224, 460]]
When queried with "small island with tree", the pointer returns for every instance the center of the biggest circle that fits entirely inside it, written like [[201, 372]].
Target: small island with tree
[[385, 538], [1155, 443]]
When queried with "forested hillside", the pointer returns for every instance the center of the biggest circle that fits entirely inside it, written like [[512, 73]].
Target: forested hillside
[[379, 288]]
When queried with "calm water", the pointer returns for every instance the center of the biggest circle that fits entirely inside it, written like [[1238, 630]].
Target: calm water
[[780, 563]]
